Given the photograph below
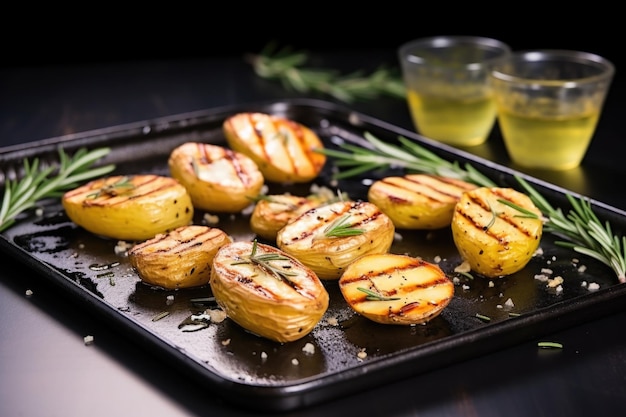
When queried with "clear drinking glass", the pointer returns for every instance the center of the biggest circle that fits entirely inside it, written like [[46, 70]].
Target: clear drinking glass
[[448, 93], [548, 104]]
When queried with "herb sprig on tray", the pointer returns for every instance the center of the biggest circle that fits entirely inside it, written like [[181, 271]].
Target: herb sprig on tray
[[38, 184], [580, 227], [289, 68]]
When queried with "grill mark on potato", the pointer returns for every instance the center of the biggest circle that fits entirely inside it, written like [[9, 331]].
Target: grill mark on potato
[[231, 156], [487, 213], [179, 246], [406, 266], [143, 186]]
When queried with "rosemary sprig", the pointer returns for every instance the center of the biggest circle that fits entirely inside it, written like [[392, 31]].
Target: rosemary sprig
[[375, 296], [288, 67], [113, 189], [582, 230], [264, 260], [37, 184], [580, 227], [341, 228], [408, 155]]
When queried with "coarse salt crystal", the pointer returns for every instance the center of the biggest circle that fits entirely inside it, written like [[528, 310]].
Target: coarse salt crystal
[[593, 286], [308, 348], [88, 340]]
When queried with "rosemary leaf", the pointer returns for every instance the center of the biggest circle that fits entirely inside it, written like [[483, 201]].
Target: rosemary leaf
[[341, 228], [288, 67], [375, 296], [38, 184]]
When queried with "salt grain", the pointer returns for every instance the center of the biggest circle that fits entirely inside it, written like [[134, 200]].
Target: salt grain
[[88, 340]]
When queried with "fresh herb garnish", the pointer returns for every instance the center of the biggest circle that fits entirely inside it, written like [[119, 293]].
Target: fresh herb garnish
[[38, 184], [289, 68], [375, 296], [583, 231], [483, 317], [580, 227], [264, 260], [342, 228], [161, 315], [114, 188], [550, 345], [376, 154]]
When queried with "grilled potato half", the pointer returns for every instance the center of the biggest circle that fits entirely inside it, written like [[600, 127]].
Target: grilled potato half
[[396, 289], [217, 178], [418, 201], [495, 238], [136, 207], [181, 258], [328, 238], [272, 212], [282, 148], [267, 292]]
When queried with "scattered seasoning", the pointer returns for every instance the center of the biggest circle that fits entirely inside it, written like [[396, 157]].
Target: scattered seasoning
[[29, 293], [483, 317], [88, 340], [550, 345], [160, 316], [511, 314], [204, 301]]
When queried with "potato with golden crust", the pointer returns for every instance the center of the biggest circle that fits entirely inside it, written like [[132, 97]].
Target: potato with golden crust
[[218, 179], [178, 259], [134, 207], [494, 237], [328, 238], [267, 291], [283, 149], [418, 201], [272, 212], [396, 289]]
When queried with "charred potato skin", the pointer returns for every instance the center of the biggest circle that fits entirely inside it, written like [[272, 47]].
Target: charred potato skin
[[412, 290], [272, 214], [217, 179], [418, 201], [283, 149], [260, 302], [496, 239], [304, 238], [178, 259], [150, 205]]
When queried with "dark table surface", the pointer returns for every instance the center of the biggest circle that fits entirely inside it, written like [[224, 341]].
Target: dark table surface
[[47, 370]]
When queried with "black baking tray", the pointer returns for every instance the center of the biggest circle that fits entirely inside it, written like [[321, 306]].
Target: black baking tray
[[256, 373]]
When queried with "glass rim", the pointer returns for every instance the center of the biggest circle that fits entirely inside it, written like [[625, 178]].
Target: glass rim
[[606, 67], [450, 40]]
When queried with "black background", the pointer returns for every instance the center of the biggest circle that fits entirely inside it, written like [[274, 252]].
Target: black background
[[180, 31]]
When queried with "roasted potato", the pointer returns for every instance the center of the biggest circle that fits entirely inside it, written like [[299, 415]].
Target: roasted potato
[[418, 201], [181, 258], [396, 289], [282, 148], [272, 212], [136, 207], [328, 238], [218, 179], [267, 291], [494, 238]]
